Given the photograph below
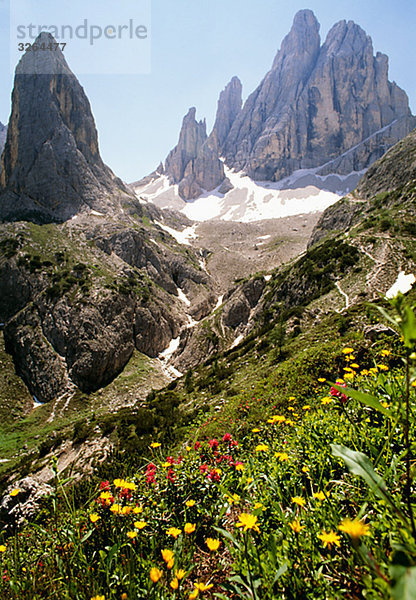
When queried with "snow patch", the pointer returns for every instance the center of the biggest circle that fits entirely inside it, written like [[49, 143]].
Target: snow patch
[[182, 237], [402, 284], [237, 340], [267, 277], [183, 297], [171, 349], [219, 302]]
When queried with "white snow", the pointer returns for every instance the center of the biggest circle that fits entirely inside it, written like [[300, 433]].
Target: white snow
[[219, 302], [237, 340], [36, 402], [264, 237], [182, 237], [173, 346], [183, 297], [267, 277], [402, 284]]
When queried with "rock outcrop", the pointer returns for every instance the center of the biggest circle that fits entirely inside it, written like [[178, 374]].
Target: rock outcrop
[[228, 109], [51, 165], [3, 134], [318, 103], [194, 164]]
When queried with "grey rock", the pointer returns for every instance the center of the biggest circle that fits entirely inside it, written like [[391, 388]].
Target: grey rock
[[51, 165], [228, 109], [319, 104], [338, 218], [26, 503], [3, 135]]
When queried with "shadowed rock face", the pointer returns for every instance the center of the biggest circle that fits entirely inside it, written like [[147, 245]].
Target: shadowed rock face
[[317, 103], [3, 134], [51, 165]]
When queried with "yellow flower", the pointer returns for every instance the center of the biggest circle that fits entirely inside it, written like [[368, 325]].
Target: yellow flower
[[262, 448], [126, 510], [326, 400], [94, 518], [349, 375], [290, 422], [189, 527], [282, 456], [383, 367], [355, 528], [321, 379], [124, 596], [259, 505], [292, 398], [202, 587], [190, 503], [105, 495], [137, 510], [306, 407], [296, 526], [290, 408], [155, 445], [98, 598], [167, 465], [305, 469], [255, 430], [155, 574], [140, 524], [132, 534], [239, 467], [249, 480], [2, 548], [329, 539], [15, 492], [167, 555], [248, 522], [319, 495], [212, 544], [277, 419], [194, 594], [174, 584], [180, 574], [365, 372], [348, 350], [385, 353], [116, 509], [413, 384], [174, 532], [355, 366], [298, 500], [118, 482]]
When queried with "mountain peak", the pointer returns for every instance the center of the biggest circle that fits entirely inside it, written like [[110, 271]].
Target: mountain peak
[[229, 107], [51, 165]]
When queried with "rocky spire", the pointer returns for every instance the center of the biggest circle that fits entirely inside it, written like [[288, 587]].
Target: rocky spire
[[194, 164], [319, 106], [3, 134], [51, 165], [229, 107]]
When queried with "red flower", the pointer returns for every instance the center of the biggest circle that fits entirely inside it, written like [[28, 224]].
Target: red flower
[[213, 444], [204, 468], [170, 460], [197, 445], [105, 486], [227, 437], [334, 392], [213, 475], [171, 475]]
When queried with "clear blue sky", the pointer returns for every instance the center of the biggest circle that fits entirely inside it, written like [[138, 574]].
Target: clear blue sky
[[197, 46]]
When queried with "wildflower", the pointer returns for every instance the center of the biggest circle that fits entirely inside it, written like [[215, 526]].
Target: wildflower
[[118, 482], [355, 528], [197, 445], [348, 350], [239, 466], [202, 587], [15, 492], [290, 422], [214, 474], [167, 555], [319, 496], [189, 527], [329, 539], [155, 445], [365, 372], [174, 532], [116, 509], [174, 584], [299, 501], [98, 598], [194, 594], [305, 469], [213, 444], [277, 419], [190, 503], [140, 524], [255, 430], [126, 510], [137, 510], [132, 534], [321, 379], [337, 394], [413, 384], [155, 574], [180, 574], [94, 518], [306, 407], [124, 596], [383, 367], [282, 456], [248, 522], [296, 526], [292, 398], [212, 544], [262, 448], [355, 366], [2, 548], [105, 485], [385, 352], [227, 437], [326, 400], [290, 408]]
